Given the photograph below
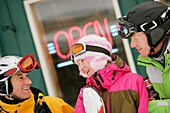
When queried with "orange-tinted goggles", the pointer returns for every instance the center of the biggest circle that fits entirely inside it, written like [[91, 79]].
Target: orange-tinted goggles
[[77, 48], [28, 63]]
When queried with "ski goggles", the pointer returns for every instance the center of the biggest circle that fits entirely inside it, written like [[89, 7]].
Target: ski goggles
[[125, 29], [26, 64], [79, 48]]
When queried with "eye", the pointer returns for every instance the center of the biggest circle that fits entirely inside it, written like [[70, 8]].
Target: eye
[[20, 77]]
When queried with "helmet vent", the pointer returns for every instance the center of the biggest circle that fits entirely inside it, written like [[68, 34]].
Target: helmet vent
[[133, 12], [2, 87], [156, 36], [147, 17], [3, 64]]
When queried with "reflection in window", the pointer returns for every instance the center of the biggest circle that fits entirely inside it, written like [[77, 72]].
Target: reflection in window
[[167, 2]]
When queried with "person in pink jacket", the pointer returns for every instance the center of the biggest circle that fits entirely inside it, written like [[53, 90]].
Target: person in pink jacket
[[121, 91]]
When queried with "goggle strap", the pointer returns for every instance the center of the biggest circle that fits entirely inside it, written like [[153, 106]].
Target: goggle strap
[[97, 49], [37, 66]]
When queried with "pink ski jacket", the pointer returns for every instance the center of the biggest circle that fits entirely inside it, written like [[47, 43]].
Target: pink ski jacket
[[122, 91]]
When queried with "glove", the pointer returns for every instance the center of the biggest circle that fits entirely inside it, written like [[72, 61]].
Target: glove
[[41, 108], [92, 100]]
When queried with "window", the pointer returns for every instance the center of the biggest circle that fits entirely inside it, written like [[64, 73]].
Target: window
[[63, 22]]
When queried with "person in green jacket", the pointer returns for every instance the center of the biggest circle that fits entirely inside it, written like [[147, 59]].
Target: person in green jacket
[[16, 94], [148, 25]]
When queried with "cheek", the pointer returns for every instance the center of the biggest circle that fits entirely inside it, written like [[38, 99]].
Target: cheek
[[79, 68], [141, 43], [92, 71], [90, 68], [145, 44], [15, 91], [17, 86], [147, 48]]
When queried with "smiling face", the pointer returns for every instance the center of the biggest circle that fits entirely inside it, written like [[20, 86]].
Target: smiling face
[[139, 41], [21, 85], [84, 67]]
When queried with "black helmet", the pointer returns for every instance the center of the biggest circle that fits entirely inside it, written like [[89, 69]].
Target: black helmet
[[152, 18]]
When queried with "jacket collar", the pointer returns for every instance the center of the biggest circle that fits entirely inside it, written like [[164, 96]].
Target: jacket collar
[[16, 101], [13, 107], [104, 78]]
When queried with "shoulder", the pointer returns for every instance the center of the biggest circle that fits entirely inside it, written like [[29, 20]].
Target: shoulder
[[53, 99], [58, 104], [133, 78]]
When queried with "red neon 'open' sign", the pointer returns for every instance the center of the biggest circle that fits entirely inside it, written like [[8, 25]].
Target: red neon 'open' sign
[[70, 39]]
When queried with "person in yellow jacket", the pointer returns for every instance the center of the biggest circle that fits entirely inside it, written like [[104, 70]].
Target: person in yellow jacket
[[16, 94]]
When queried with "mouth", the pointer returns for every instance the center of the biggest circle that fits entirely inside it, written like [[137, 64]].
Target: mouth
[[86, 72], [27, 88], [139, 49]]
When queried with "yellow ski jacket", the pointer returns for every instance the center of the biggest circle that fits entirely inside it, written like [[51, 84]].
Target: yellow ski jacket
[[56, 105]]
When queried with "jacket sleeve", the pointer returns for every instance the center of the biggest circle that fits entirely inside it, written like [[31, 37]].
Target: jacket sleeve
[[143, 96], [57, 105], [79, 104], [159, 106]]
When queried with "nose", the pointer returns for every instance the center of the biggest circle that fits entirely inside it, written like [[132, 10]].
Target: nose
[[133, 43], [28, 81]]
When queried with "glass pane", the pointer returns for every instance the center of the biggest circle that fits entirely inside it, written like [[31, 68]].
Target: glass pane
[[65, 21], [167, 2]]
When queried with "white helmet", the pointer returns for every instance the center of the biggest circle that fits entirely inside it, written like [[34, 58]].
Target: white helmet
[[7, 63]]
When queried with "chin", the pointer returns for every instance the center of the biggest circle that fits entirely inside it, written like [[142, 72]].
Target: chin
[[143, 55], [27, 96]]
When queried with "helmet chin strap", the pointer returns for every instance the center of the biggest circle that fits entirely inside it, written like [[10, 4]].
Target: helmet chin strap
[[152, 51], [10, 97], [149, 39], [161, 51], [152, 35], [9, 89]]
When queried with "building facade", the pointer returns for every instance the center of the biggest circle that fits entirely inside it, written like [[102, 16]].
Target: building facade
[[47, 28]]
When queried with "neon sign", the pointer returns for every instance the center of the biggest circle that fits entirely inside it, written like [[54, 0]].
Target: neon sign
[[69, 36]]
